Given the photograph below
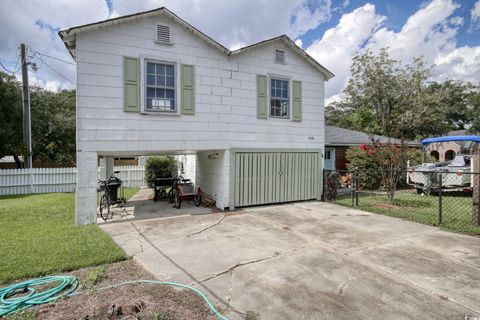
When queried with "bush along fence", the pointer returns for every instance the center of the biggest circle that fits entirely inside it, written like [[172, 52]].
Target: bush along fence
[[448, 199], [46, 180]]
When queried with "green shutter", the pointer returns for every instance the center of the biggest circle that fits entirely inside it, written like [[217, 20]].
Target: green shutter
[[131, 77], [262, 97], [297, 101], [188, 89]]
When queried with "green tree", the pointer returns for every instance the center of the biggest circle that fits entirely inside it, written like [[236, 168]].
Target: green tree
[[11, 139], [386, 97], [53, 125]]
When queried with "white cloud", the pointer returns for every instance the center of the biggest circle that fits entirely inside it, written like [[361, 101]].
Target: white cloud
[[460, 64], [232, 23], [430, 32], [337, 46], [241, 22], [299, 42], [475, 17], [36, 23]]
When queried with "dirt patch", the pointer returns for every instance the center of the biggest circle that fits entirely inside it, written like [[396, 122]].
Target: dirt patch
[[137, 301], [392, 206]]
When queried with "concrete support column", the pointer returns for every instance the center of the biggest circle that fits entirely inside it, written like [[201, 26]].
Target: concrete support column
[[108, 167], [86, 191]]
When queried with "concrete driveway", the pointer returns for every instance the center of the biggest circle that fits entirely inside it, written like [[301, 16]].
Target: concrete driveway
[[312, 260]]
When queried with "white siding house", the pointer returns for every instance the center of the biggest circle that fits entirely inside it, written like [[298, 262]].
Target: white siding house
[[150, 83]]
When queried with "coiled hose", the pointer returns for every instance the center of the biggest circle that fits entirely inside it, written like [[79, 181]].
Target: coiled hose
[[66, 287]]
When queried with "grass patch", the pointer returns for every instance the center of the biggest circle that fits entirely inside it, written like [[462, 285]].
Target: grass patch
[[457, 210], [39, 237]]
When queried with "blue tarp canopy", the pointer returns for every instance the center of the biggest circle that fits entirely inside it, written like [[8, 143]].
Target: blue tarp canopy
[[451, 138]]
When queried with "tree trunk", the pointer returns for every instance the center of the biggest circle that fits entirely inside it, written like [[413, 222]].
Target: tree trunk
[[18, 162]]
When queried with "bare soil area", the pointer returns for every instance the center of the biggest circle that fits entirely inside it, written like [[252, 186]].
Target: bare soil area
[[135, 301]]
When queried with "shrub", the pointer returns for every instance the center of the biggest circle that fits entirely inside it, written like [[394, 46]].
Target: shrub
[[381, 166], [160, 167]]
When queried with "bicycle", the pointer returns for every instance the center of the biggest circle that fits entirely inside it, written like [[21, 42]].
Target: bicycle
[[110, 197], [173, 189]]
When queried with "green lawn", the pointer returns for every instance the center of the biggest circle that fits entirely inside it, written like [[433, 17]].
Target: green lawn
[[456, 216], [39, 237]]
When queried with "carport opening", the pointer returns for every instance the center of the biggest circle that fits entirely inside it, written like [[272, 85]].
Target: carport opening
[[156, 194]]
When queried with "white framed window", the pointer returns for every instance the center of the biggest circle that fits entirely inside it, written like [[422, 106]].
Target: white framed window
[[328, 154], [160, 86], [279, 98]]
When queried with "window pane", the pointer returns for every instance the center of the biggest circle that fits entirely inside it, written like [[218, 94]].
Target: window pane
[[170, 82], [170, 94], [284, 93], [161, 80], [160, 69], [150, 93], [150, 67], [169, 70], [149, 103], [160, 93], [278, 93], [150, 80], [284, 109], [157, 97]]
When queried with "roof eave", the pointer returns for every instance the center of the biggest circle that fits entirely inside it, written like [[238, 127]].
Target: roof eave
[[289, 42], [72, 32]]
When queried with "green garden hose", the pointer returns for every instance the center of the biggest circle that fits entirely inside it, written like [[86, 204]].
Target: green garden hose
[[10, 304], [67, 286]]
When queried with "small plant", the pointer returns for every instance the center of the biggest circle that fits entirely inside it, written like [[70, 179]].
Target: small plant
[[161, 315], [160, 167], [252, 315], [93, 276], [22, 315]]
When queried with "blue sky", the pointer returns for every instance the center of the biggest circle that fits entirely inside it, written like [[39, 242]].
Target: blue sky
[[398, 13], [445, 32]]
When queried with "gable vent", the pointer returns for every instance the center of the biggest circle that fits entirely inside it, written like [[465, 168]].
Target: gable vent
[[279, 56], [163, 34]]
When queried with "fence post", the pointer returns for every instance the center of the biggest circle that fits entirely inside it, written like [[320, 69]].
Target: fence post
[[440, 202], [356, 186], [31, 180], [475, 178]]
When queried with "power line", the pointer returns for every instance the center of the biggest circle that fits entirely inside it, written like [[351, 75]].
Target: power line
[[9, 71], [46, 55], [61, 75]]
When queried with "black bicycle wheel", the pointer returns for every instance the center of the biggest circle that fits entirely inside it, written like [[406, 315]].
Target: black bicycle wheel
[[104, 207], [171, 196], [197, 199], [178, 201]]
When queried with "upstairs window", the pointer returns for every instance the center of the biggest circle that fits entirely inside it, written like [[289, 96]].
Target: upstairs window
[[279, 99], [160, 87]]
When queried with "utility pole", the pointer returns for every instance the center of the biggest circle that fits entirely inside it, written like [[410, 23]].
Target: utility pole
[[27, 121]]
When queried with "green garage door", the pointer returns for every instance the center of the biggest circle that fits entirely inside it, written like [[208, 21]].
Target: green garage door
[[274, 177]]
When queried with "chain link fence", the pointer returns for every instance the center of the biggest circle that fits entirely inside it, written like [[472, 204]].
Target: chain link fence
[[439, 198]]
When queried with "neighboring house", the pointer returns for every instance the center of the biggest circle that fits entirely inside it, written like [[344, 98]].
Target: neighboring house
[[150, 83], [338, 140], [444, 151]]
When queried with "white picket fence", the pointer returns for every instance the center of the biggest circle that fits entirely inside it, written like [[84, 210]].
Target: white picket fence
[[46, 180]]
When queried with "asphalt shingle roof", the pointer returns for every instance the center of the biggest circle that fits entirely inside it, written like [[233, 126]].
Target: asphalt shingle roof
[[346, 137]]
